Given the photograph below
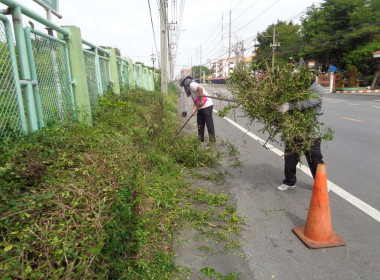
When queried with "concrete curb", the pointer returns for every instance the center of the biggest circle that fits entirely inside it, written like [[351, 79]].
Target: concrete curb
[[358, 91]]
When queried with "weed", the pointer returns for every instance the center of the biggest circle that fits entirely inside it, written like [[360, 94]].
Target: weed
[[218, 177], [232, 150], [213, 274], [268, 211], [98, 202]]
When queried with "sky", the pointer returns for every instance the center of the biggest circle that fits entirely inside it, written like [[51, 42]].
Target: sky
[[126, 24]]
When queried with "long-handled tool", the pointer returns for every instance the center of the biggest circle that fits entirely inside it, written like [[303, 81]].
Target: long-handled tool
[[186, 123]]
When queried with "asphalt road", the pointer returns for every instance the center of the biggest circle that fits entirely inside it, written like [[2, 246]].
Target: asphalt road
[[353, 163]]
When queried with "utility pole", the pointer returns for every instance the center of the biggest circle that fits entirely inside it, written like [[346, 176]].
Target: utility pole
[[153, 57], [229, 48], [164, 47], [274, 45]]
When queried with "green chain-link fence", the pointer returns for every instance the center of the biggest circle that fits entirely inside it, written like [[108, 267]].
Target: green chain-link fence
[[137, 75], [44, 94], [120, 72], [10, 99], [104, 72], [53, 78], [92, 83], [126, 75]]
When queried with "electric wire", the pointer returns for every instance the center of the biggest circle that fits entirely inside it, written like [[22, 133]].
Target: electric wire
[[151, 20], [237, 5], [258, 16], [245, 11]]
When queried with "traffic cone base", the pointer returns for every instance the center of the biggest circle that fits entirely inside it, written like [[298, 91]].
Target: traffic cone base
[[335, 240], [318, 232]]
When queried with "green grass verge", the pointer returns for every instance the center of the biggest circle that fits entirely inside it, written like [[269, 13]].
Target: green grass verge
[[99, 202]]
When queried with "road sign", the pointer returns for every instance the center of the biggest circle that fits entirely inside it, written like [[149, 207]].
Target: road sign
[[51, 6]]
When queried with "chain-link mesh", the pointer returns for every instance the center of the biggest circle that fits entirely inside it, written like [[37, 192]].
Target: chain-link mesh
[[92, 83], [145, 73], [10, 121], [120, 74], [126, 75], [104, 72], [137, 76], [53, 79]]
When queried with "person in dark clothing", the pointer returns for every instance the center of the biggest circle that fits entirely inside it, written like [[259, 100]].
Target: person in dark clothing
[[314, 155], [203, 107]]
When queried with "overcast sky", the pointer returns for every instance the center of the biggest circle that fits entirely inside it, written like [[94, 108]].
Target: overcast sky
[[126, 24]]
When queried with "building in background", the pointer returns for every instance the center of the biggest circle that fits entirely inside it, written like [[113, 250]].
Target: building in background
[[185, 72], [219, 68]]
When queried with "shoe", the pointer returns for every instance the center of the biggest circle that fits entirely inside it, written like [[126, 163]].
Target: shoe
[[284, 187]]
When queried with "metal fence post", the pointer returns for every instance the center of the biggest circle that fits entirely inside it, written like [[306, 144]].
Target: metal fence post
[[145, 74], [140, 73], [10, 43], [121, 74], [114, 72], [131, 74], [71, 80], [33, 73], [78, 72], [153, 85], [151, 88], [98, 74], [24, 69]]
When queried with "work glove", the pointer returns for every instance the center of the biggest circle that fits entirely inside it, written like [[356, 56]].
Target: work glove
[[283, 108]]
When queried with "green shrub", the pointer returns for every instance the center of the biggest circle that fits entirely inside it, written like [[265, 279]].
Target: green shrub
[[96, 202]]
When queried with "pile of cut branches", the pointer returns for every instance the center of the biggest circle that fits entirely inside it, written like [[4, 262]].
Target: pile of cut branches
[[259, 90]]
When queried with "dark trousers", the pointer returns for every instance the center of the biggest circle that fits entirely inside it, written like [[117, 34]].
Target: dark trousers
[[204, 117], [313, 157]]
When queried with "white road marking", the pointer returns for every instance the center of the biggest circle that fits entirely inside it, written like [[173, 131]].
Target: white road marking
[[376, 107], [361, 205], [353, 104], [333, 102]]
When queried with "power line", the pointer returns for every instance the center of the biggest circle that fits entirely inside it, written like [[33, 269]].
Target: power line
[[292, 18], [246, 10], [237, 5], [263, 12], [213, 32], [151, 20]]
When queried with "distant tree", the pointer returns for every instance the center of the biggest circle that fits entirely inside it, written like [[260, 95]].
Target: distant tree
[[195, 71], [342, 33]]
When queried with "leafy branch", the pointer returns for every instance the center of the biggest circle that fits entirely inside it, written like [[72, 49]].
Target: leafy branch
[[259, 90]]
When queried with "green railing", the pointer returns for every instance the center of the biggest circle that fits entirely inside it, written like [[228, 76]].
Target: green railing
[[55, 80], [12, 120]]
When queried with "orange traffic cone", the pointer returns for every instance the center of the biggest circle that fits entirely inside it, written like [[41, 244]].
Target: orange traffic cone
[[318, 232]]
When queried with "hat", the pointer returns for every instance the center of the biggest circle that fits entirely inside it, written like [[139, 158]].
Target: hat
[[186, 81]]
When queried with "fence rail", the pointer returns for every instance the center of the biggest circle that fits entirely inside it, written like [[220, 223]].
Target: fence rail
[[52, 80]]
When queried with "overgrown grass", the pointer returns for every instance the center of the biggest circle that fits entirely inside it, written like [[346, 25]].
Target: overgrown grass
[[99, 202]]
